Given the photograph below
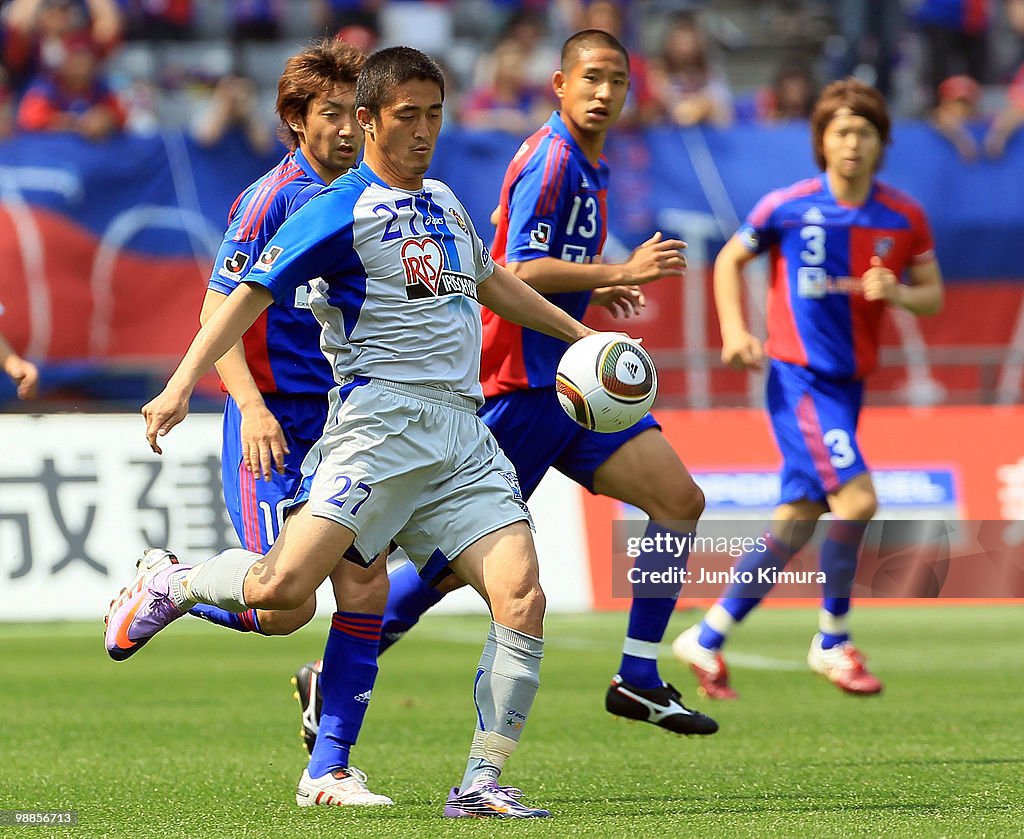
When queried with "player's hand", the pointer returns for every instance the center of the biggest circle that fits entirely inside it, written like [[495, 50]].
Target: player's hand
[[24, 374], [879, 283], [624, 300], [263, 443], [654, 259], [742, 351], [163, 413]]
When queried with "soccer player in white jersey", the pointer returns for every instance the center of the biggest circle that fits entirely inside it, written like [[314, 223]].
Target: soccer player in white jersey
[[400, 276]]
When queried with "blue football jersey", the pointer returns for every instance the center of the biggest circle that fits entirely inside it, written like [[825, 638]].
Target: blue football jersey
[[553, 203], [282, 348]]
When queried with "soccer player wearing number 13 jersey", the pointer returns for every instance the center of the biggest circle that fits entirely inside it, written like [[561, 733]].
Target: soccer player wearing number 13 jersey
[[838, 245], [550, 231]]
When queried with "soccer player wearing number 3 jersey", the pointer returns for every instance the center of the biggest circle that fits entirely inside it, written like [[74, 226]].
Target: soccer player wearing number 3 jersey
[[838, 246]]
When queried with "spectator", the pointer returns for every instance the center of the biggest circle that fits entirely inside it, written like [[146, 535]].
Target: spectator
[[641, 106], [867, 37], [509, 103], [955, 36], [158, 20], [75, 97], [331, 16], [690, 86], [6, 106], [790, 97], [234, 105], [957, 108], [36, 32], [1009, 120], [530, 30], [256, 20]]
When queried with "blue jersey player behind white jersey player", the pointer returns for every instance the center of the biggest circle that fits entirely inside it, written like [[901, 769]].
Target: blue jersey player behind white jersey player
[[398, 274], [551, 228], [276, 377], [839, 244]]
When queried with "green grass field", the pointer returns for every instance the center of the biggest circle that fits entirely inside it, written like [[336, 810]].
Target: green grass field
[[197, 735]]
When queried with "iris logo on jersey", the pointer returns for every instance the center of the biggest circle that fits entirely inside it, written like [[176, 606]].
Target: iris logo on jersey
[[423, 261], [233, 266], [269, 256], [425, 277], [540, 236], [884, 246]]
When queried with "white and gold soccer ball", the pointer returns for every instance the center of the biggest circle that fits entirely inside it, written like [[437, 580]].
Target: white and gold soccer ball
[[606, 382]]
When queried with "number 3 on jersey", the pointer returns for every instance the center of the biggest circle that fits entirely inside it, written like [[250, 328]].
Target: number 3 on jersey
[[838, 442]]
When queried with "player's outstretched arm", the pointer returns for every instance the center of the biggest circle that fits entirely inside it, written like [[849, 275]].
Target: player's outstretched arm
[[655, 259], [24, 374], [923, 296], [508, 297], [740, 349], [263, 442], [215, 337]]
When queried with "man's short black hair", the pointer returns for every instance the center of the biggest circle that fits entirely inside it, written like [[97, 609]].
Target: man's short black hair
[[389, 68], [590, 39]]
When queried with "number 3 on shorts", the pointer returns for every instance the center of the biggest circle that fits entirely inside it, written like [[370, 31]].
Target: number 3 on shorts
[[838, 442], [350, 498]]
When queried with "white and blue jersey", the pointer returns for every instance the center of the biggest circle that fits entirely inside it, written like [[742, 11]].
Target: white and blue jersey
[[393, 276]]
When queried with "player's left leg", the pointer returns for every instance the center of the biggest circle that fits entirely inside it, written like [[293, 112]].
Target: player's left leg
[[645, 471], [349, 670], [502, 567], [832, 653]]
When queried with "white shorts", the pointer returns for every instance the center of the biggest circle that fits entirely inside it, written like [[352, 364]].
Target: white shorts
[[410, 463]]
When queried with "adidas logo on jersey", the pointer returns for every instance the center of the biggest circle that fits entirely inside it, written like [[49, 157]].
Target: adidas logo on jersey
[[363, 697], [814, 216]]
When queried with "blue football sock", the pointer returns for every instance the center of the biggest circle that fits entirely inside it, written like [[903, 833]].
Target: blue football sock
[[838, 560], [408, 599], [346, 683], [652, 605], [741, 597], [242, 621]]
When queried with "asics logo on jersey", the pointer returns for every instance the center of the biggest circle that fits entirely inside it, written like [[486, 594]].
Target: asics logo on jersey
[[234, 265]]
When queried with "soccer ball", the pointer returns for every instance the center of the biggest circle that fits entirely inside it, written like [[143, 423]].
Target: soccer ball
[[606, 382]]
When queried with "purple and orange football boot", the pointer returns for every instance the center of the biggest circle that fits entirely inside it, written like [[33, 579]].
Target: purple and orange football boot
[[142, 609], [487, 800]]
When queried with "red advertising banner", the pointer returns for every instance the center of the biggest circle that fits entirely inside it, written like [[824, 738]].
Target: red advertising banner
[[954, 463]]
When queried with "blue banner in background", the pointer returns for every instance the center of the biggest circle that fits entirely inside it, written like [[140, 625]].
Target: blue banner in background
[[976, 209]]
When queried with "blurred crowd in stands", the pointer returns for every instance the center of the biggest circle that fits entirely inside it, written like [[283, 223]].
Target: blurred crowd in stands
[[96, 67]]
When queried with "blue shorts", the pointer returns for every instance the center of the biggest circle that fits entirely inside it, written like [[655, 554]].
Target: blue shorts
[[256, 507], [815, 425], [535, 433]]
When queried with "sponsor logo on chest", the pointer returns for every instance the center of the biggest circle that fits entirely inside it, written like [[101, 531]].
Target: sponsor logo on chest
[[425, 274]]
